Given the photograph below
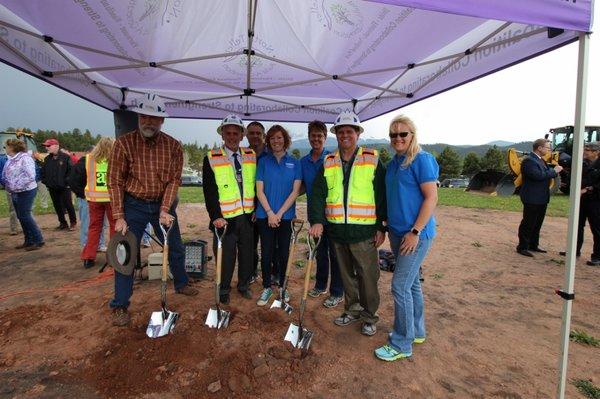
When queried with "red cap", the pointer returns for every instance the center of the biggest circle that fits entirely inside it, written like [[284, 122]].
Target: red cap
[[50, 142]]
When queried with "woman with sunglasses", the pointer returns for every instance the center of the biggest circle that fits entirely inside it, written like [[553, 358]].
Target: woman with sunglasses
[[411, 192]]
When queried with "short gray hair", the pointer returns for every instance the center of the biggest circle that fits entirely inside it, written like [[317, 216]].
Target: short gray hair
[[593, 146]]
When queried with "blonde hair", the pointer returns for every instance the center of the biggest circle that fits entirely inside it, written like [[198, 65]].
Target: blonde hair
[[102, 150], [414, 148]]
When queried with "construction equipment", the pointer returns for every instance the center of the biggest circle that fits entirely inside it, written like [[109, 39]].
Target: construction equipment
[[163, 322], [299, 336], [498, 183], [218, 318], [280, 303]]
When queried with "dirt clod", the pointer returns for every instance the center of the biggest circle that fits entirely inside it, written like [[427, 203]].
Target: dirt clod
[[214, 386], [261, 370]]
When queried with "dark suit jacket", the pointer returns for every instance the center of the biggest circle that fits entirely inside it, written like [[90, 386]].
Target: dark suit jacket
[[536, 179]]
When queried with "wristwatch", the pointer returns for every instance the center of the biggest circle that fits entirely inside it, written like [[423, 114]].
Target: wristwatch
[[415, 231]]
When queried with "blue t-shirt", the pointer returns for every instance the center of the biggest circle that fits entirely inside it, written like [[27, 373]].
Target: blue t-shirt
[[310, 169], [404, 196], [278, 180]]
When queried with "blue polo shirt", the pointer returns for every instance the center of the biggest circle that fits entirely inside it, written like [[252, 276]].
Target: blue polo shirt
[[404, 196], [310, 169], [278, 180]]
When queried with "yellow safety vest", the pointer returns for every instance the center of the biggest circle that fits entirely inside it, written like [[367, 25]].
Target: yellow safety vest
[[360, 205], [96, 189], [232, 202]]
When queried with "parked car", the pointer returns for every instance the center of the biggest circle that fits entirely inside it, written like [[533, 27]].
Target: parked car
[[455, 183], [193, 181]]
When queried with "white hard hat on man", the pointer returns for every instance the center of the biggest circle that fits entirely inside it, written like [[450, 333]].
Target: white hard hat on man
[[234, 120], [152, 105], [347, 118]]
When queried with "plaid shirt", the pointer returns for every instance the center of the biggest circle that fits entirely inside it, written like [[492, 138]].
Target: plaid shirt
[[148, 169]]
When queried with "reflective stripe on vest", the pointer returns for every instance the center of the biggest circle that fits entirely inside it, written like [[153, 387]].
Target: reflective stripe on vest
[[96, 189], [360, 207], [230, 200]]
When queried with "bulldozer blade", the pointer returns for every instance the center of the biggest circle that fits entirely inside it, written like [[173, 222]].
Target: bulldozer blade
[[299, 338], [285, 307], [161, 323], [217, 318]]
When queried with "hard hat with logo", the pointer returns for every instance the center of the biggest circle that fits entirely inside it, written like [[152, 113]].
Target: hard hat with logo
[[231, 120], [151, 104], [347, 118]]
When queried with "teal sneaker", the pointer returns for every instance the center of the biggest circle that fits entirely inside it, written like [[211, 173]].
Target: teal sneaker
[[286, 296], [419, 340], [264, 297], [390, 354]]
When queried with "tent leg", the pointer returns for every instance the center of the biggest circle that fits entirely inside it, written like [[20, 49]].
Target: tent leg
[[576, 168], [125, 121]]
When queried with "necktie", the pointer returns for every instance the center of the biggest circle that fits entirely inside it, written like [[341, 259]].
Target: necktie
[[238, 166]]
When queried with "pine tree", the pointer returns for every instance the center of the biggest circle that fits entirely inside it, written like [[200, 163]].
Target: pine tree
[[449, 161], [471, 164]]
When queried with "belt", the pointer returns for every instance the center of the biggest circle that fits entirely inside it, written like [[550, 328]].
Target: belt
[[148, 201]]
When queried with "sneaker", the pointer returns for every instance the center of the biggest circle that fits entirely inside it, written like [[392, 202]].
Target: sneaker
[[120, 317], [418, 340], [35, 247], [314, 292], [102, 249], [593, 262], [253, 279], [264, 297], [286, 296], [345, 319], [187, 290], [333, 301], [368, 329], [390, 354], [73, 226]]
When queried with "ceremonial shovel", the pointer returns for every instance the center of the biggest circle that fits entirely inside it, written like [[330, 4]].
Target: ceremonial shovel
[[217, 317], [299, 336], [280, 303], [163, 322]]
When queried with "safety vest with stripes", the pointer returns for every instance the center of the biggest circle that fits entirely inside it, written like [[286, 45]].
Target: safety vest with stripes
[[96, 189], [360, 204], [232, 202]]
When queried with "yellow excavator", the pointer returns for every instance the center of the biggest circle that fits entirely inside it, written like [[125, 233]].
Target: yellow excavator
[[498, 183]]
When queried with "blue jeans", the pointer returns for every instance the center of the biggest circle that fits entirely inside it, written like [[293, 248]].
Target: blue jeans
[[138, 214], [409, 318], [84, 223], [23, 203], [326, 261]]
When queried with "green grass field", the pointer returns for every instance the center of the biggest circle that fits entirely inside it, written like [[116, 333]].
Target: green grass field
[[559, 204]]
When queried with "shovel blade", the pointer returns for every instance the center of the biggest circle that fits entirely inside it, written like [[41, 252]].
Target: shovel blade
[[286, 307], [214, 321], [299, 338], [159, 325]]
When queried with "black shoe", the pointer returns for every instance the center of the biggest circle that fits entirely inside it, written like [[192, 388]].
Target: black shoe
[[246, 294], [563, 253], [593, 262], [35, 246], [224, 299], [62, 227], [23, 246], [89, 263], [538, 249], [524, 252]]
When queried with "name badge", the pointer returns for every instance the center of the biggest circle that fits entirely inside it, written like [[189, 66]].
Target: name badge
[[289, 165]]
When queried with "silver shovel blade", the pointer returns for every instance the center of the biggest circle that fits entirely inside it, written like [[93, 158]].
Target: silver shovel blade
[[213, 321], [159, 326], [297, 339], [286, 307]]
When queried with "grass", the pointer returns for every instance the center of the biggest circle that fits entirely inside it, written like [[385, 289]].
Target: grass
[[559, 204], [587, 388], [584, 338]]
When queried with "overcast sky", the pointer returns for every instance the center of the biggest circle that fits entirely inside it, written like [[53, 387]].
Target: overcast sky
[[517, 104]]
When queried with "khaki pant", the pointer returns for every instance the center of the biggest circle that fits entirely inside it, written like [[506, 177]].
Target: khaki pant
[[14, 222], [359, 268]]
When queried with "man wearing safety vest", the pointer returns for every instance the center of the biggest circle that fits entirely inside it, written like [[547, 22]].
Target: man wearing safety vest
[[229, 175], [88, 179], [349, 194]]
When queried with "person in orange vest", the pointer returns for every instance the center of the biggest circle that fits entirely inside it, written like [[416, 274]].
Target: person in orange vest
[[89, 180]]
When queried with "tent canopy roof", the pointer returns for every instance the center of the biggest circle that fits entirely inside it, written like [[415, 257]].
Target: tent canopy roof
[[280, 60]]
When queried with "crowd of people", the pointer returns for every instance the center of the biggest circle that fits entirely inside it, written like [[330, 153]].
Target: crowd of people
[[131, 183]]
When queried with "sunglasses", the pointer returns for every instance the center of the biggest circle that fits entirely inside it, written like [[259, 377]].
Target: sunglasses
[[399, 134]]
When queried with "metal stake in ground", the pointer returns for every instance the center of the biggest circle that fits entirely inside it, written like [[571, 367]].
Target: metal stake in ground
[[299, 336], [163, 322], [217, 317], [280, 303]]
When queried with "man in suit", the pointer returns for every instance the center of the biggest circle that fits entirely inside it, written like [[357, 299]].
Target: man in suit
[[535, 195]]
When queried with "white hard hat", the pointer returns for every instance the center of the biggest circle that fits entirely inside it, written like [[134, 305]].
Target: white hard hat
[[347, 118], [151, 104], [231, 120]]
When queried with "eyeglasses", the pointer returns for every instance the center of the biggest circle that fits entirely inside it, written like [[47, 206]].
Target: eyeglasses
[[399, 134]]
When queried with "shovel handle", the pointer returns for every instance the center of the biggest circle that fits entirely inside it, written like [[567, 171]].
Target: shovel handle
[[296, 226], [307, 278], [165, 265], [218, 262]]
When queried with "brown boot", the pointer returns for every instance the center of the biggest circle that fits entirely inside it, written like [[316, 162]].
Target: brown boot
[[187, 291], [120, 317]]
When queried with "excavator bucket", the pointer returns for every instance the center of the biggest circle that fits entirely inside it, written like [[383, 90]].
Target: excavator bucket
[[485, 181]]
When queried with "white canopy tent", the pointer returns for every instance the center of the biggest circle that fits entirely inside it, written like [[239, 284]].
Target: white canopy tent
[[292, 60]]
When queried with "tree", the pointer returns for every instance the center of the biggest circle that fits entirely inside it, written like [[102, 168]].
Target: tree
[[296, 153], [449, 162], [384, 155], [494, 159], [471, 164]]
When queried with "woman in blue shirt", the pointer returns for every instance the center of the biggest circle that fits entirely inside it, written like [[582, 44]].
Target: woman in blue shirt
[[278, 179], [411, 192]]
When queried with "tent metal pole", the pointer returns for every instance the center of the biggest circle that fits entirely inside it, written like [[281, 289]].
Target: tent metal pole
[[576, 171]]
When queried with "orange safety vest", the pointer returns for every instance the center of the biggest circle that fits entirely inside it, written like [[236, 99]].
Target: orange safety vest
[[96, 189]]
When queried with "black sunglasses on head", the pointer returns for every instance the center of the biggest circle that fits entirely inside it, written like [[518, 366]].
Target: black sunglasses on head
[[399, 134]]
